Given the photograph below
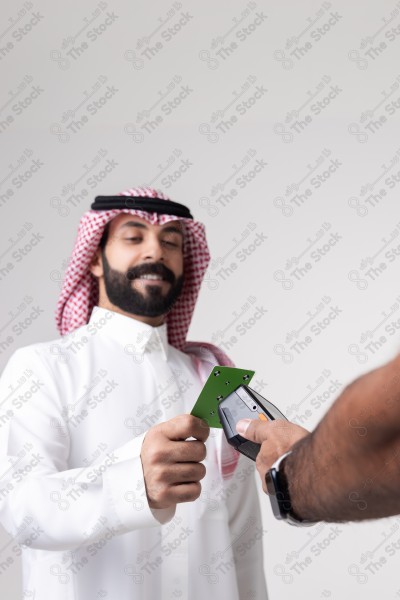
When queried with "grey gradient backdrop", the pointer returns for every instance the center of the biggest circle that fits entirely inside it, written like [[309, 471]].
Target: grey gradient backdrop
[[277, 124]]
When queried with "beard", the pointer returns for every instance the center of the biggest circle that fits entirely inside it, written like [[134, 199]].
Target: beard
[[152, 302]]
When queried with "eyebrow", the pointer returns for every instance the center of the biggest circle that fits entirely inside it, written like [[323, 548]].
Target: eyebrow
[[168, 229], [173, 229]]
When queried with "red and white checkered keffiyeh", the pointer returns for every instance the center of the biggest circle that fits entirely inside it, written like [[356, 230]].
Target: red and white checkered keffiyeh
[[80, 292]]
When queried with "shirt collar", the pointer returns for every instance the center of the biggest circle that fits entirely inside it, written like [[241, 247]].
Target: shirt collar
[[136, 337]]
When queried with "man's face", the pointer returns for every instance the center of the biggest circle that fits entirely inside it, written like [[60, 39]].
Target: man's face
[[142, 265]]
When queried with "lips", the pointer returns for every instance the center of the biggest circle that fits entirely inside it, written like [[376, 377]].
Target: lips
[[151, 272]]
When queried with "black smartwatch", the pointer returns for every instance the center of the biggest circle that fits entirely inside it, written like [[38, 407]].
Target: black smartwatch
[[278, 491]]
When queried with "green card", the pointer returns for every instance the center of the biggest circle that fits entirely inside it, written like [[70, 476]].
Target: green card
[[221, 382]]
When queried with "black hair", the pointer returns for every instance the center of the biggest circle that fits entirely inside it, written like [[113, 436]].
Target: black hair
[[104, 237]]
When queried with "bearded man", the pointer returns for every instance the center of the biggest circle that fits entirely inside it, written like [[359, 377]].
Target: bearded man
[[109, 486]]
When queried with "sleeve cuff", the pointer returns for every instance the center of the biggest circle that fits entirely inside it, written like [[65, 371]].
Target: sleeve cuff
[[126, 492]]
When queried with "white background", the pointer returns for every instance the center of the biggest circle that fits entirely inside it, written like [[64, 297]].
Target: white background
[[275, 122]]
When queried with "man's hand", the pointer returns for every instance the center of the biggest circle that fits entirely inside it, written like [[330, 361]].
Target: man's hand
[[275, 437], [171, 465]]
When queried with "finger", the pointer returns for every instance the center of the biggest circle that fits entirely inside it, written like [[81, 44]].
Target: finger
[[184, 473], [185, 426], [253, 430], [185, 492], [186, 452]]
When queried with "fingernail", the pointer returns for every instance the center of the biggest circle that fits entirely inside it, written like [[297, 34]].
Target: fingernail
[[242, 425]]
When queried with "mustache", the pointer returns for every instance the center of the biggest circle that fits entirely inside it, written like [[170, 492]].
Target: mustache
[[151, 269]]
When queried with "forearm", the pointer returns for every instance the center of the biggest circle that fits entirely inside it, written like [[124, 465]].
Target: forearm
[[349, 467], [74, 507]]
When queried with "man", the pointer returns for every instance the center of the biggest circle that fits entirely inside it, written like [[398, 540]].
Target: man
[[109, 487], [348, 468]]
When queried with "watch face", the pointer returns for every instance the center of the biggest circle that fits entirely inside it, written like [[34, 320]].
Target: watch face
[[280, 500], [275, 495], [270, 483]]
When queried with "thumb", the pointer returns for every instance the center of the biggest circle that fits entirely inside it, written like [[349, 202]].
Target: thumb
[[253, 430]]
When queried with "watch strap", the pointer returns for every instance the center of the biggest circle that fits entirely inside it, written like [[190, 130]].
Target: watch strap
[[278, 487]]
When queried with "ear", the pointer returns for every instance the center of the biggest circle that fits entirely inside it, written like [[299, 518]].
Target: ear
[[96, 266]]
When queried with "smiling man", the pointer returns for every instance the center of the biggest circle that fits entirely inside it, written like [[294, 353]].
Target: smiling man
[[109, 486], [146, 290]]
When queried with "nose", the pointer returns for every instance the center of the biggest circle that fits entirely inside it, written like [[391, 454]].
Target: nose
[[152, 249]]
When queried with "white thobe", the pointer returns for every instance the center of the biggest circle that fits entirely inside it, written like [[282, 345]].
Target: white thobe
[[73, 416]]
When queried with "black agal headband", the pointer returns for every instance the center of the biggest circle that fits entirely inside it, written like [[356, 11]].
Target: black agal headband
[[165, 207]]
